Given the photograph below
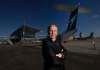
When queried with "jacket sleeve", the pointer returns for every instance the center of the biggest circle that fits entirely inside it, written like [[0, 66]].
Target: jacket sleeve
[[60, 42], [47, 52]]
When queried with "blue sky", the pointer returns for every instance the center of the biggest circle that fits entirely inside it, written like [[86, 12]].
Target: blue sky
[[41, 13]]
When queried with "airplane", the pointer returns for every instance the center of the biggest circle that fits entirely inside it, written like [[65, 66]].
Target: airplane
[[81, 37], [71, 28]]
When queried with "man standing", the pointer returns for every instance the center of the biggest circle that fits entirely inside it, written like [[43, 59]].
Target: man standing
[[52, 50]]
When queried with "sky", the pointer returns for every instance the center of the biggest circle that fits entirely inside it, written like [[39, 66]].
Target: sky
[[41, 13]]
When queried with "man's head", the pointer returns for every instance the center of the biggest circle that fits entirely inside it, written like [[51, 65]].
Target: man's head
[[52, 31]]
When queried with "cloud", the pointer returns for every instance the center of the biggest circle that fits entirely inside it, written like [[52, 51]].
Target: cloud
[[65, 8], [68, 8], [84, 10], [95, 16]]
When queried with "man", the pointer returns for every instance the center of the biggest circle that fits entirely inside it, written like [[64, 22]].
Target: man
[[53, 51]]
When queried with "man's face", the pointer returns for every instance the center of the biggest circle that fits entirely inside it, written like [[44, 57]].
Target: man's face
[[53, 32]]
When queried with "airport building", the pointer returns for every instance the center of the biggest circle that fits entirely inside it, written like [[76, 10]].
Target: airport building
[[23, 32]]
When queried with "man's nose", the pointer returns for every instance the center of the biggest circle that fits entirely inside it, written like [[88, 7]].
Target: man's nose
[[52, 32]]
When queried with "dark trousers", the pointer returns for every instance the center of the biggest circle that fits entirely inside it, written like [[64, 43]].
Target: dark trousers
[[54, 67]]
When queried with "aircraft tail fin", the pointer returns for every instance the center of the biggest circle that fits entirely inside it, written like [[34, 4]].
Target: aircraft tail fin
[[71, 28]]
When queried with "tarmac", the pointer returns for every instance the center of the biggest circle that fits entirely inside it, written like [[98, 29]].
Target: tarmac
[[81, 55]]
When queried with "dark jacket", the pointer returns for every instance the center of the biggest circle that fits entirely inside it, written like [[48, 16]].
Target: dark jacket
[[50, 49]]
